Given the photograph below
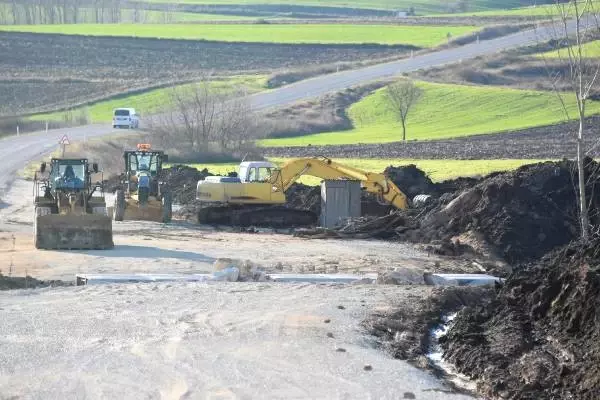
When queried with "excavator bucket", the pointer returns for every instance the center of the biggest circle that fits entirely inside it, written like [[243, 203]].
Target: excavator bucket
[[90, 231]]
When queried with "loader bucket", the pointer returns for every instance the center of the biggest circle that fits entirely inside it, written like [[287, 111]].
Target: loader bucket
[[151, 211], [70, 232]]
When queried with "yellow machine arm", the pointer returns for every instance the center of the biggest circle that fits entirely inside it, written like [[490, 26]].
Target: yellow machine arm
[[324, 168]]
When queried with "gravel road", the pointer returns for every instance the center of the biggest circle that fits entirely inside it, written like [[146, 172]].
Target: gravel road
[[209, 341]]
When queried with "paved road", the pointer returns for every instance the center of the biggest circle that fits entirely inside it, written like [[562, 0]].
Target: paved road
[[15, 151]]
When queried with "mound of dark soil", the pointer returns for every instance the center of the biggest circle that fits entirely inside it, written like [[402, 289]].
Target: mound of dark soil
[[539, 338], [523, 214], [411, 180], [304, 197], [182, 181]]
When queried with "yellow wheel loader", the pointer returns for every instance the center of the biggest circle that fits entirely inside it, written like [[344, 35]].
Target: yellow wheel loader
[[257, 195], [143, 196], [70, 211]]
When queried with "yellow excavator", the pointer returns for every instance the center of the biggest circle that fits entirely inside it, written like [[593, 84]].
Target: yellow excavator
[[257, 195]]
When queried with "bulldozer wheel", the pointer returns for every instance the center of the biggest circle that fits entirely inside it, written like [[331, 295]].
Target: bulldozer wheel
[[119, 209], [167, 207]]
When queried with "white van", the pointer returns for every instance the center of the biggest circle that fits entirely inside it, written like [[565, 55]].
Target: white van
[[126, 118]]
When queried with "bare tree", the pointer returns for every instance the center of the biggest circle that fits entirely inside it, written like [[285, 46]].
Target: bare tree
[[400, 97], [201, 118], [575, 23]]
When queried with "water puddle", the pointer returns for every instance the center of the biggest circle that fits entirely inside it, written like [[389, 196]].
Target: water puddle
[[435, 356]]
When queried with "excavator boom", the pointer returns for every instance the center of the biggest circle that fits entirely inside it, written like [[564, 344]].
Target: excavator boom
[[325, 168]]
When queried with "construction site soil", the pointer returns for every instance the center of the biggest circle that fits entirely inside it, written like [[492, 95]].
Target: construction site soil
[[546, 142], [516, 216], [539, 336]]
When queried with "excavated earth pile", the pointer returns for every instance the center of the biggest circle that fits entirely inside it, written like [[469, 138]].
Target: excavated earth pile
[[522, 214], [539, 338], [181, 180]]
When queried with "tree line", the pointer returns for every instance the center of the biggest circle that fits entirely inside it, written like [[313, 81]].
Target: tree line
[[33, 12]]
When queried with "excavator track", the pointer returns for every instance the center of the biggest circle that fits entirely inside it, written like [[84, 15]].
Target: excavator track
[[259, 216]]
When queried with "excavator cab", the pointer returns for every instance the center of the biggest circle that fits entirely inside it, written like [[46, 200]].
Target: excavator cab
[[70, 211], [143, 196]]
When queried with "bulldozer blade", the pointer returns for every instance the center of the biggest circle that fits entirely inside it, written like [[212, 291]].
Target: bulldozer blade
[[73, 232], [151, 211]]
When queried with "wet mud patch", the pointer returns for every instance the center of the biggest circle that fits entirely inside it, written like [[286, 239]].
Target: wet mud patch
[[539, 336], [404, 329]]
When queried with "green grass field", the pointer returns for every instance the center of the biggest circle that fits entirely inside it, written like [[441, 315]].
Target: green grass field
[[445, 111], [590, 50], [438, 170], [153, 100], [422, 36], [538, 11], [421, 6]]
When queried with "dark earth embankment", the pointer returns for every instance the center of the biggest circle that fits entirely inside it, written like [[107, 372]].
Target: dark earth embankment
[[546, 142], [539, 338]]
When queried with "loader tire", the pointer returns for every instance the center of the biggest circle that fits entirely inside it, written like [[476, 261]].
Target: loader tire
[[119, 209], [167, 207]]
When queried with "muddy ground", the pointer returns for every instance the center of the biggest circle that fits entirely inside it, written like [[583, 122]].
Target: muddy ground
[[510, 217], [538, 338]]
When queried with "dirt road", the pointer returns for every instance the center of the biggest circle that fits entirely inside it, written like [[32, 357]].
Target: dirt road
[[209, 341], [201, 340]]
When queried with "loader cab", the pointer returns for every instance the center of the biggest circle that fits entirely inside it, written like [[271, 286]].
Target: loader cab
[[256, 171], [69, 174]]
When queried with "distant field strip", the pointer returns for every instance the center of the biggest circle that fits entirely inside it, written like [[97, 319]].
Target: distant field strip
[[446, 111], [541, 10], [438, 170], [421, 6], [421, 36], [152, 101], [590, 50]]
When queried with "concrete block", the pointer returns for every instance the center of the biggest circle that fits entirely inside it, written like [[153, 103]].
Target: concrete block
[[340, 199]]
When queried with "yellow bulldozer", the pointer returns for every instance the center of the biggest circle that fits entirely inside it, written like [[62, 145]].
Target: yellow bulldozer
[[70, 212], [142, 195], [257, 195]]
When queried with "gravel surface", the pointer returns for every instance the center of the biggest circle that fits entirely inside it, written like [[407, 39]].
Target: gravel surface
[[201, 341]]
